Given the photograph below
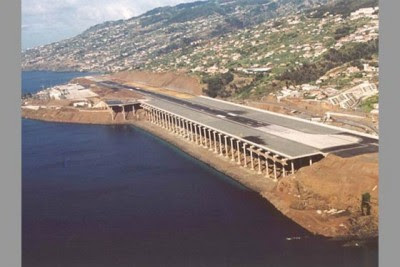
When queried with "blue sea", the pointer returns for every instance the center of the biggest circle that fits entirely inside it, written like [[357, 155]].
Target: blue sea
[[97, 195]]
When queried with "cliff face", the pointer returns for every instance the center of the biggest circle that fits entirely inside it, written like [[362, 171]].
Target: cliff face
[[330, 192]]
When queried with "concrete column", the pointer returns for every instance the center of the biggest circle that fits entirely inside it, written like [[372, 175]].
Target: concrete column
[[205, 137], [183, 128], [275, 176], [150, 118], [158, 117], [292, 165], [173, 122], [266, 167], [187, 130], [220, 144], [251, 158], [238, 152], [195, 134], [311, 161], [169, 123], [176, 125], [180, 127], [259, 161], [215, 143], [200, 138], [209, 140], [226, 147], [165, 121], [191, 132], [245, 154], [232, 152], [283, 170], [123, 112]]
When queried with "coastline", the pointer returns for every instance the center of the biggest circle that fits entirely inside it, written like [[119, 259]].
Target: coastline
[[269, 190]]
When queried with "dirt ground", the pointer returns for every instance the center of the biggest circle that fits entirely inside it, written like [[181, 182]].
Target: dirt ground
[[178, 82]]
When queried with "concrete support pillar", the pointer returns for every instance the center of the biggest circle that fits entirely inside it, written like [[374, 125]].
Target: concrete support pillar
[[251, 158], [292, 166], [245, 154], [181, 127], [311, 161], [165, 121], [205, 137], [215, 142], [174, 122], [200, 136], [238, 152], [170, 123], [232, 150], [187, 130], [123, 112], [191, 132], [259, 161], [157, 117], [226, 147], [150, 112], [209, 140], [275, 175], [266, 167], [162, 120], [283, 170], [195, 134], [220, 144]]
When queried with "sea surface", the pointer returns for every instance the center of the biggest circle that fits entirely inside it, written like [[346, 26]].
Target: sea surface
[[117, 196]]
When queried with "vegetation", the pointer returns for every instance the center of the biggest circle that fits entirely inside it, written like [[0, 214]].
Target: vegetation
[[333, 58], [343, 7], [368, 104], [216, 84]]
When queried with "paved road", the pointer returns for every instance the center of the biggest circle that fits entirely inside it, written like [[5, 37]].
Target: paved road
[[293, 138]]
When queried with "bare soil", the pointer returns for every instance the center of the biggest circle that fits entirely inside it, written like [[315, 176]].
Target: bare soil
[[178, 82]]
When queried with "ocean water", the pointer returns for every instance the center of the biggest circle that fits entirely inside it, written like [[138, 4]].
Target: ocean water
[[33, 81], [117, 196]]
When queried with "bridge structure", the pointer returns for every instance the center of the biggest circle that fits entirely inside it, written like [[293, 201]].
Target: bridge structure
[[270, 144]]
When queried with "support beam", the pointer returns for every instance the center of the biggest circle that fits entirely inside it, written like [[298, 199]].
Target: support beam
[[196, 135], [292, 166], [215, 142], [220, 144], [251, 158], [238, 152], [245, 154], [226, 147], [232, 151], [191, 132], [205, 137], [209, 140], [123, 112], [266, 167], [259, 161]]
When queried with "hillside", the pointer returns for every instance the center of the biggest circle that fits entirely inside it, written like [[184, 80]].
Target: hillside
[[240, 49], [127, 44]]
